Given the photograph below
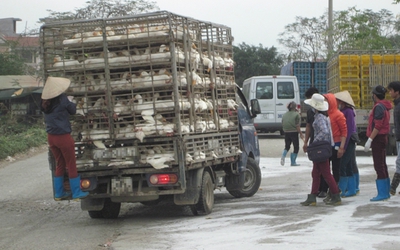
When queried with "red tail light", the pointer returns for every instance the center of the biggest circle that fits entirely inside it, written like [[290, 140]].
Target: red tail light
[[163, 179]]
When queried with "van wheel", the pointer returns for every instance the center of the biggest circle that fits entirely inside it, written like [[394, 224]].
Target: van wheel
[[281, 132], [206, 200], [252, 180]]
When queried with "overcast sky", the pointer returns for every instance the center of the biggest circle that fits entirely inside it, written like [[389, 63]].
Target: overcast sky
[[252, 21]]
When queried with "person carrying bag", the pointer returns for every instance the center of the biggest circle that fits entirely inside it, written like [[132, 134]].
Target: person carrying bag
[[322, 135]]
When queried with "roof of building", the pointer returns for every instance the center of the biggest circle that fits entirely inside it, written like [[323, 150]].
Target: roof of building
[[19, 81], [24, 41]]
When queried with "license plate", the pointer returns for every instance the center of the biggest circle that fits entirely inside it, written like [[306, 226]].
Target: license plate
[[121, 186]]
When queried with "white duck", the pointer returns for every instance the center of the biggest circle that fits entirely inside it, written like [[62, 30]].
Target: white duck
[[207, 62], [199, 104], [158, 160], [231, 104]]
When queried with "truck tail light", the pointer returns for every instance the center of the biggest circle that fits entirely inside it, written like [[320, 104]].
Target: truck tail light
[[298, 107], [163, 179], [85, 183]]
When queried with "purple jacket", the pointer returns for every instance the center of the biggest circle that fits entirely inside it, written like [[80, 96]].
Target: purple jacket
[[350, 116]]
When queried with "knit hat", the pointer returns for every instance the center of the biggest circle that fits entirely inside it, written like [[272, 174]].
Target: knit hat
[[54, 87], [291, 106], [379, 91], [345, 96], [318, 102]]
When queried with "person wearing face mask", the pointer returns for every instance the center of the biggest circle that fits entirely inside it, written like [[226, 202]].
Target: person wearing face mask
[[309, 138], [347, 181], [377, 132]]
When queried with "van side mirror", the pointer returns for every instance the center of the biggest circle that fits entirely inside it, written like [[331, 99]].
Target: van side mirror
[[255, 107]]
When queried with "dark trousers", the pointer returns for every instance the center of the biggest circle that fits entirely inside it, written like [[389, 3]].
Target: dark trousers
[[346, 162], [63, 149], [378, 147], [292, 137], [335, 165], [354, 164], [322, 169]]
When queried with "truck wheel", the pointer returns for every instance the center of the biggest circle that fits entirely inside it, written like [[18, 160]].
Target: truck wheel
[[95, 214], [206, 199], [150, 203], [110, 210], [252, 180]]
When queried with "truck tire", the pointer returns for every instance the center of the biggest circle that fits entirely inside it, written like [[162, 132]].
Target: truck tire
[[206, 200], [252, 180], [110, 210]]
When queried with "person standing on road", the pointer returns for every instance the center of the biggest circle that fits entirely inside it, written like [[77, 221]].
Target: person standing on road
[[347, 181], [377, 133], [339, 132], [291, 128], [322, 132], [309, 138], [57, 109], [394, 91]]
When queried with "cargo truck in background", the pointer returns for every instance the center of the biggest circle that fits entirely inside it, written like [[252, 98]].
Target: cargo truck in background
[[355, 71], [159, 115]]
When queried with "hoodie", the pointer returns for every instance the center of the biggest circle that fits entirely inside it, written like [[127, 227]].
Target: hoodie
[[379, 118], [338, 121]]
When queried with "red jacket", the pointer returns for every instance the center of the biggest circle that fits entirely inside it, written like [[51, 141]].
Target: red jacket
[[338, 121], [379, 118]]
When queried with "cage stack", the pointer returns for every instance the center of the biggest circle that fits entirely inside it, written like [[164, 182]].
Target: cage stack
[[302, 70], [145, 81], [319, 76], [344, 74]]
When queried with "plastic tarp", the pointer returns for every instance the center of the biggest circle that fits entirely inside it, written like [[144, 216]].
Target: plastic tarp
[[9, 94]]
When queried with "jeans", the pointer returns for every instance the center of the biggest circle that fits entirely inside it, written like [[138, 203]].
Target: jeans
[[346, 162]]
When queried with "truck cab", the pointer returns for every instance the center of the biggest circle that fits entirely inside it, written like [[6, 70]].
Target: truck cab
[[273, 94]]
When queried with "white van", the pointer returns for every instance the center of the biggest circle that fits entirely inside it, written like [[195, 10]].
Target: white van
[[273, 94]]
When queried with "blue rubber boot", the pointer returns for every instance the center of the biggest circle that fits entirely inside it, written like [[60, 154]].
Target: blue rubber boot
[[383, 191], [293, 158], [283, 157], [351, 186], [357, 182], [343, 185], [75, 184], [59, 192]]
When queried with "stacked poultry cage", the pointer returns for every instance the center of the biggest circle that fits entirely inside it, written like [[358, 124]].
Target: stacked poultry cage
[[146, 86]]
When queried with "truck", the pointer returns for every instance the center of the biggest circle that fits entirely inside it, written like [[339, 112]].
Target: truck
[[357, 71], [159, 115]]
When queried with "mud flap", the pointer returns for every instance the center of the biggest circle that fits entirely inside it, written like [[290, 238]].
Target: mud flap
[[234, 181], [193, 185], [88, 204]]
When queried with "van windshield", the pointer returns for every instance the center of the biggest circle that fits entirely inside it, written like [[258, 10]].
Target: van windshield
[[285, 90], [264, 90]]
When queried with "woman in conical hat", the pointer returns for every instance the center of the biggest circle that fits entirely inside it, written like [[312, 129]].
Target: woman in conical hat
[[57, 110], [348, 181]]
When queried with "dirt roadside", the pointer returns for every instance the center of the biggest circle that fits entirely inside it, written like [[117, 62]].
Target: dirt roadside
[[22, 156]]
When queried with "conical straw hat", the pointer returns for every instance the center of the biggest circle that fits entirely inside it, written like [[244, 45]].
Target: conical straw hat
[[345, 96], [55, 86]]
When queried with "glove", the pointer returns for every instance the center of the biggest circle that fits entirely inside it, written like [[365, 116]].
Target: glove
[[367, 145]]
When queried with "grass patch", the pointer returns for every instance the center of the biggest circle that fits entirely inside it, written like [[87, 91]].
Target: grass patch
[[19, 134]]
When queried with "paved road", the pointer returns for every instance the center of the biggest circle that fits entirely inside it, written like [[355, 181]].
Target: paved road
[[272, 219]]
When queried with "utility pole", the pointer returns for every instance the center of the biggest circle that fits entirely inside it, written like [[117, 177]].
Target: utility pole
[[330, 28]]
